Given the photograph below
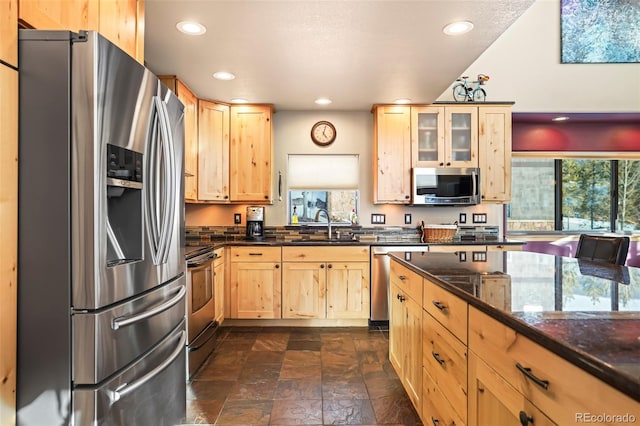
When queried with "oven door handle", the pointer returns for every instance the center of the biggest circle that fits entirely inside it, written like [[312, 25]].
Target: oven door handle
[[192, 264], [124, 321], [127, 388]]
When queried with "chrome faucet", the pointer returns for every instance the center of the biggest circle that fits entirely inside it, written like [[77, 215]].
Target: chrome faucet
[[328, 218]]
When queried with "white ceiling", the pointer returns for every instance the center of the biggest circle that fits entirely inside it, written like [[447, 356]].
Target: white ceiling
[[355, 52]]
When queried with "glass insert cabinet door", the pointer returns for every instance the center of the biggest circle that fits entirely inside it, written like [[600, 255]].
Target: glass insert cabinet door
[[445, 136]]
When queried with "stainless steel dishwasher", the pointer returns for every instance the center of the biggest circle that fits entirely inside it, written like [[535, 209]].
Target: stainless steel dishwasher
[[380, 273]]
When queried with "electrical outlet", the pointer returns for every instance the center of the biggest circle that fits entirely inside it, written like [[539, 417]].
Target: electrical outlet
[[237, 218], [462, 218], [407, 218]]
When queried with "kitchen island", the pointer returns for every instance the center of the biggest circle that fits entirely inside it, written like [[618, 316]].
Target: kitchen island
[[560, 333]]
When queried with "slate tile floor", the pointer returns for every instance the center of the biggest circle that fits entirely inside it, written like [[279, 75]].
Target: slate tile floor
[[299, 376]]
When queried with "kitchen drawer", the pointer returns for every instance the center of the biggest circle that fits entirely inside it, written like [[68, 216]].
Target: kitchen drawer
[[493, 401], [408, 281], [325, 254], [445, 358], [436, 409], [448, 309], [569, 389], [255, 254]]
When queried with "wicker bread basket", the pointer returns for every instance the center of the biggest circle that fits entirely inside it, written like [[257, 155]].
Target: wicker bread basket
[[438, 233]]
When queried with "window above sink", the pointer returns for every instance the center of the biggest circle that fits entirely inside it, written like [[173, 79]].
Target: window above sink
[[322, 182]]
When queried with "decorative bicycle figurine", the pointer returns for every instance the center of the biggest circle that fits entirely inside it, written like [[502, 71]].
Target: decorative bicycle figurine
[[462, 91]]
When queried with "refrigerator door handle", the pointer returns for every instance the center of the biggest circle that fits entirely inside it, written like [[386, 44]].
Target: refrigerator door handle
[[128, 320], [127, 388], [170, 175], [160, 183]]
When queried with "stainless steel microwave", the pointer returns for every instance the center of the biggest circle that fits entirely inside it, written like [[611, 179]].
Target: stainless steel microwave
[[445, 186]]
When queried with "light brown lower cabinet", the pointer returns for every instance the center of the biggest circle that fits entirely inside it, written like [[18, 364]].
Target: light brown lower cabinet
[[405, 330], [444, 362], [315, 287], [218, 285], [524, 375], [493, 401], [256, 282]]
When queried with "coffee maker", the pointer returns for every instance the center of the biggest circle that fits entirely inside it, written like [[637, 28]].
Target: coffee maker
[[255, 223]]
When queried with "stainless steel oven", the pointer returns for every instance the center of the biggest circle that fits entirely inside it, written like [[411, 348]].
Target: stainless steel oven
[[201, 325]]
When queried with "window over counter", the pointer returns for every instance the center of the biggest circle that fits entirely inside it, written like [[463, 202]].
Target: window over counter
[[317, 182], [574, 194]]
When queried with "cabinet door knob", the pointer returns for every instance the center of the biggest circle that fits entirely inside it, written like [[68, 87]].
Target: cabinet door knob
[[277, 266], [435, 421], [322, 266], [402, 277], [329, 266], [525, 419], [448, 164]]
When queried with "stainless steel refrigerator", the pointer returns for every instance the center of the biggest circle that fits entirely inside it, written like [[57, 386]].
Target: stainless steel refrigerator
[[101, 278]]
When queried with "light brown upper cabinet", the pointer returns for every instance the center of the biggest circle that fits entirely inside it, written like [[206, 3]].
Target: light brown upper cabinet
[[441, 135], [190, 103], [213, 152], [444, 136], [494, 145], [251, 153], [392, 155], [9, 32], [120, 21]]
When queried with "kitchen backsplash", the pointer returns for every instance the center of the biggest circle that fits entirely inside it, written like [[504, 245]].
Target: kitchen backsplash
[[197, 235]]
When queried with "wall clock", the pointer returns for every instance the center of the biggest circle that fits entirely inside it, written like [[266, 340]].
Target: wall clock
[[323, 133]]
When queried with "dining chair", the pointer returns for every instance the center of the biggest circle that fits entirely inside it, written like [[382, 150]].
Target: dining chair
[[603, 249]]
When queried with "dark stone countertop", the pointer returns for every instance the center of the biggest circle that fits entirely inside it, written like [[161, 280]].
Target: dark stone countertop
[[347, 242], [587, 313]]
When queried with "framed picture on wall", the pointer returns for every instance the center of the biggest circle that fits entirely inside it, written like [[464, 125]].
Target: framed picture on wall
[[600, 31]]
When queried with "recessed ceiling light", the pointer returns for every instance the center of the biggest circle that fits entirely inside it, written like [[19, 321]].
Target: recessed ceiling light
[[223, 75], [191, 28], [402, 101], [563, 118], [239, 101], [323, 101], [457, 28]]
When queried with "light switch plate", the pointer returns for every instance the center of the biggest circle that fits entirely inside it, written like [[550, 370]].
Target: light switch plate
[[479, 218], [479, 256], [378, 218], [407, 218], [237, 218], [462, 218]]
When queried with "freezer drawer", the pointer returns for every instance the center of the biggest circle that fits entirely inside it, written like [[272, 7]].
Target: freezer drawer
[[108, 340], [152, 391]]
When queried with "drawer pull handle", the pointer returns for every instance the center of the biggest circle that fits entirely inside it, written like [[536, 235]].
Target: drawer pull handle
[[434, 421], [255, 254], [436, 355], [524, 419], [527, 372], [439, 305], [402, 277]]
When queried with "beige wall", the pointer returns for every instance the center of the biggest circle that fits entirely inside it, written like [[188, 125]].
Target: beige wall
[[524, 66], [355, 136]]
